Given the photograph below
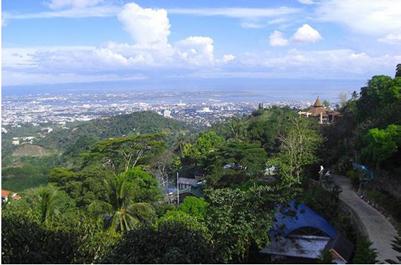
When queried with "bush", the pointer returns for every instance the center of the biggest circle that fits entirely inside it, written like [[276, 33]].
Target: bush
[[322, 201], [355, 177], [364, 253], [169, 243], [25, 241], [71, 238]]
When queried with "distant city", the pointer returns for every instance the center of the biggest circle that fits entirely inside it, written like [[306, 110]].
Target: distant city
[[60, 108]]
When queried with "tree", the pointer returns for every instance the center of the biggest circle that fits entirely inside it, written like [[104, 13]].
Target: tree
[[194, 206], [381, 144], [194, 156], [266, 128], [125, 213], [298, 149], [72, 237], [168, 243], [48, 201], [146, 185], [235, 164], [192, 222], [398, 71], [326, 103], [379, 98], [396, 245], [84, 186], [164, 166], [206, 144], [237, 219], [364, 253], [122, 153], [233, 128]]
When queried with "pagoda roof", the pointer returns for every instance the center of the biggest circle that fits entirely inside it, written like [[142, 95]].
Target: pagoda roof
[[318, 103]]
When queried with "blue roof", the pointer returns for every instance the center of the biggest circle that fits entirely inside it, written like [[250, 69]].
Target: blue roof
[[367, 174], [296, 216]]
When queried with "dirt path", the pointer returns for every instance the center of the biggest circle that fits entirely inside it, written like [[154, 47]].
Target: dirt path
[[380, 231]]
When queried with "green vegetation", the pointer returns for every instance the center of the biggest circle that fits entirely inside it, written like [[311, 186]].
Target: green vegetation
[[369, 133], [79, 136], [103, 199], [68, 147], [29, 172], [107, 182], [364, 253]]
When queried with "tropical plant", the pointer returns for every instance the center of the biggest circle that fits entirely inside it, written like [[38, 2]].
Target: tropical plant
[[298, 149], [125, 212]]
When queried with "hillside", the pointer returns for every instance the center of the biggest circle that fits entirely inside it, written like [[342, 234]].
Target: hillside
[[30, 150], [28, 165], [90, 131]]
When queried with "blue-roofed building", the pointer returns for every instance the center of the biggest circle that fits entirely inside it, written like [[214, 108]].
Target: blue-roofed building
[[301, 234]]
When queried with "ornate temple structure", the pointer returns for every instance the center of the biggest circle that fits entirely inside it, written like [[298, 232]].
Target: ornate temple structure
[[318, 111]]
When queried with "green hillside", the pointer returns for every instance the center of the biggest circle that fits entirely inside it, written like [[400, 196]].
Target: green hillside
[[24, 167], [90, 131]]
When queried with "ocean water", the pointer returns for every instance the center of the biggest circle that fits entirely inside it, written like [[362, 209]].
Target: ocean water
[[195, 91]]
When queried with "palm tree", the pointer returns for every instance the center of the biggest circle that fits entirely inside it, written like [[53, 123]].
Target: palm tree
[[125, 212], [50, 203]]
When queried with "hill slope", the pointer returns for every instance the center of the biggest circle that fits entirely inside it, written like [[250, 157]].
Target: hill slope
[[90, 131], [30, 150]]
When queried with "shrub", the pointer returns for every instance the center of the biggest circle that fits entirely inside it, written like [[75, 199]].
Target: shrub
[[71, 238], [364, 253], [355, 177], [171, 242]]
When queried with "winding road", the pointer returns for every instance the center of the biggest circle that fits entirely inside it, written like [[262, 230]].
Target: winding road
[[379, 230]]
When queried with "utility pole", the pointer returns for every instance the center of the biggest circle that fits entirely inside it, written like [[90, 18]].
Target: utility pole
[[178, 192]]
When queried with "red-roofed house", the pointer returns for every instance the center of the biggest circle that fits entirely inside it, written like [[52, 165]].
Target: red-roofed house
[[5, 194]]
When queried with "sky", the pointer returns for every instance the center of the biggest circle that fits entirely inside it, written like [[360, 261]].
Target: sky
[[54, 42]]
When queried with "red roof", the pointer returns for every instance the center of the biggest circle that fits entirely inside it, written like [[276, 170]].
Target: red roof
[[6, 193]]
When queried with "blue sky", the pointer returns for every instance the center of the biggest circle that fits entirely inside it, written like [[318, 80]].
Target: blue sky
[[83, 41]]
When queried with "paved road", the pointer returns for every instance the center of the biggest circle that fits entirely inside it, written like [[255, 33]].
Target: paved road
[[380, 231]]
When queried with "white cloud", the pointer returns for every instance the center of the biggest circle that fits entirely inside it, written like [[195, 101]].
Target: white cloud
[[96, 11], [391, 38], [306, 34], [252, 25], [306, 2], [196, 50], [191, 56], [148, 27], [23, 78], [277, 39], [240, 12], [336, 63], [368, 16], [228, 58], [262, 23], [59, 4]]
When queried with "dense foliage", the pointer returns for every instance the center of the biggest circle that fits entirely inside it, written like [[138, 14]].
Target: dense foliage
[[107, 197], [169, 243], [369, 133]]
